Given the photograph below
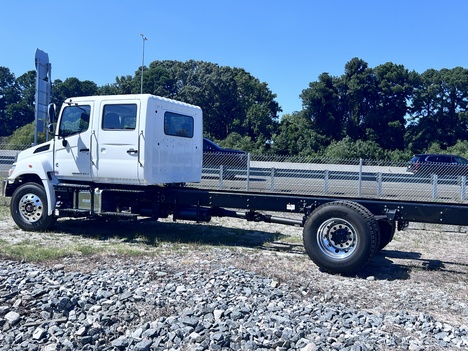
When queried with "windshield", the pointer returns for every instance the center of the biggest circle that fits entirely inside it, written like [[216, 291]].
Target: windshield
[[460, 160]]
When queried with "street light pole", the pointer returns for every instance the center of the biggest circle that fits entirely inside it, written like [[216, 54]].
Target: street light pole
[[143, 38]]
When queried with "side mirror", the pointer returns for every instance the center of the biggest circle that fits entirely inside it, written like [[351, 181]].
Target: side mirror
[[51, 113], [50, 129]]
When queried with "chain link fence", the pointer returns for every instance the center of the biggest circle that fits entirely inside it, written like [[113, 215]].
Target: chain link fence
[[318, 176], [8, 154], [336, 178]]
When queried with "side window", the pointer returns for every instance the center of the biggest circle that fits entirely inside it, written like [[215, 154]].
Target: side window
[[445, 159], [119, 116], [178, 125], [75, 120]]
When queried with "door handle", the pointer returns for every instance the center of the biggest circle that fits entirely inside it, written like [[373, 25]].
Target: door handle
[[84, 150], [132, 151], [140, 136]]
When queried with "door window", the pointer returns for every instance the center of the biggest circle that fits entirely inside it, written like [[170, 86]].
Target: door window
[[445, 159], [75, 120], [119, 116]]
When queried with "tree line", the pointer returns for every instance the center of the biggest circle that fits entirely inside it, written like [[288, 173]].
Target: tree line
[[386, 112]]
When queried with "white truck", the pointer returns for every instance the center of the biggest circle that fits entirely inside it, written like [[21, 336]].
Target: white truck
[[129, 156]]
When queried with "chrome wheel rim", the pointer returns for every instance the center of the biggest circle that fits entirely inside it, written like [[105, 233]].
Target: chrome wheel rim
[[337, 238], [31, 208]]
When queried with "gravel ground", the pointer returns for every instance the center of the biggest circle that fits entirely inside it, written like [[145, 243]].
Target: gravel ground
[[232, 285]]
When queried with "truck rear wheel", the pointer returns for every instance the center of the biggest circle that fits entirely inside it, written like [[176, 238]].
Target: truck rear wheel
[[29, 208], [341, 236]]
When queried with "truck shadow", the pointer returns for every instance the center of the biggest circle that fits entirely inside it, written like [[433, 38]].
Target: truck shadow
[[385, 265], [154, 233], [398, 265], [382, 267]]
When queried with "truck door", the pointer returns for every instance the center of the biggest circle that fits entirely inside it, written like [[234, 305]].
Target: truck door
[[72, 145], [116, 150]]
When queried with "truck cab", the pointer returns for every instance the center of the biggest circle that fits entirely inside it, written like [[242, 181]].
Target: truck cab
[[120, 139], [128, 139]]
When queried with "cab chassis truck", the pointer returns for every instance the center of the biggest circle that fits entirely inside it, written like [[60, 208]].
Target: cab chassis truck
[[129, 157]]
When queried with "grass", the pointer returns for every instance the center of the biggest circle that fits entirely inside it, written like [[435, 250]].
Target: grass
[[4, 211], [81, 237], [78, 238], [35, 251], [30, 250]]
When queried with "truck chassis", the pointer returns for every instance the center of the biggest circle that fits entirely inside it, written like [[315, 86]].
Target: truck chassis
[[341, 235]]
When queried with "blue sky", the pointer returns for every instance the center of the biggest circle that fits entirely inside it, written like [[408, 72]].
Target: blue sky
[[286, 44]]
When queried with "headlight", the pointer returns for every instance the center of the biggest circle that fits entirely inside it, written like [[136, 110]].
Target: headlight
[[11, 170]]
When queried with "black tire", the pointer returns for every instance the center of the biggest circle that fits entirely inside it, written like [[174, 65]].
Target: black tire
[[29, 208], [341, 236], [387, 231]]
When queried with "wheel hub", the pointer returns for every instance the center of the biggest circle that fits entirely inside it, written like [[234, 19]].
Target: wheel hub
[[31, 208], [337, 238], [340, 236]]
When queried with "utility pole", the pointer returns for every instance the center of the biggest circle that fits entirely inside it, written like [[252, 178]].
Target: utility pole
[[143, 38]]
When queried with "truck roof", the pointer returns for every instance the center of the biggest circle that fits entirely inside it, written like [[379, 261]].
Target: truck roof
[[128, 96]]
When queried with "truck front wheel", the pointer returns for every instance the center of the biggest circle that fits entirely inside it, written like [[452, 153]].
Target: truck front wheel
[[341, 236], [29, 208]]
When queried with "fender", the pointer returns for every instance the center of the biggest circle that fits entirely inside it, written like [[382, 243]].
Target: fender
[[35, 169]]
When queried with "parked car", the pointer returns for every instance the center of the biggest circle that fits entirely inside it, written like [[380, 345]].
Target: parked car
[[234, 161], [440, 164]]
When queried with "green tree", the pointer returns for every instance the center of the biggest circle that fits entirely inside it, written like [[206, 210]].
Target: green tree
[[232, 100], [321, 104], [363, 104], [72, 87], [354, 149], [358, 91], [126, 85], [295, 136], [385, 122], [24, 136], [258, 106], [237, 141], [109, 89], [439, 109], [157, 81], [459, 148], [10, 95], [27, 86], [24, 110]]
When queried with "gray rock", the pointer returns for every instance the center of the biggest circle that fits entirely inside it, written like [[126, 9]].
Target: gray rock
[[12, 317], [39, 333], [143, 345], [121, 342], [166, 306]]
